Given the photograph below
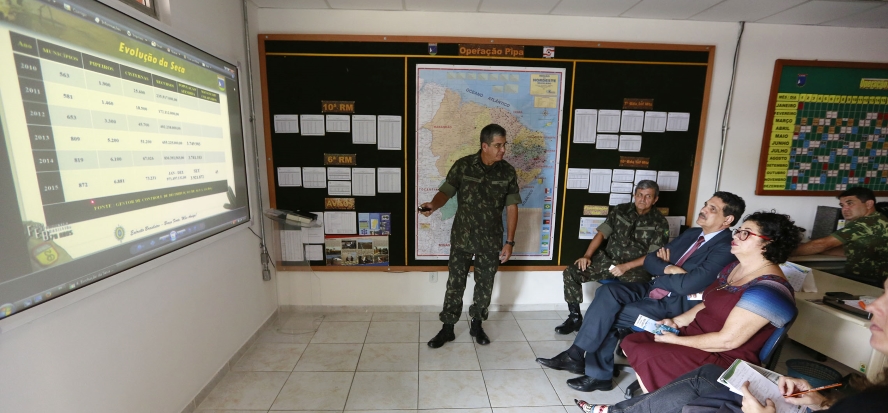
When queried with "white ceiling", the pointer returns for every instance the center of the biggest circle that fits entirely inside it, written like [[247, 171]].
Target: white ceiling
[[843, 13]]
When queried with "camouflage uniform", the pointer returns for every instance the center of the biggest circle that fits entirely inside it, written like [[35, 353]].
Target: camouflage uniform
[[477, 230], [629, 236], [865, 241]]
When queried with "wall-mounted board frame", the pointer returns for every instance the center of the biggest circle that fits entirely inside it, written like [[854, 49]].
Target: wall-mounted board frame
[[825, 129], [385, 77]]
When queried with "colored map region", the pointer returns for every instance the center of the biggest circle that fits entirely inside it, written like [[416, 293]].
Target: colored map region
[[453, 104]]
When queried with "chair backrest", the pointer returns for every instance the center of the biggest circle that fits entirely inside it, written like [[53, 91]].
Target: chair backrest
[[770, 352]]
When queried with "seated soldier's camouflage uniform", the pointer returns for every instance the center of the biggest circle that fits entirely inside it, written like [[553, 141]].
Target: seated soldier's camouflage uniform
[[865, 242], [629, 236]]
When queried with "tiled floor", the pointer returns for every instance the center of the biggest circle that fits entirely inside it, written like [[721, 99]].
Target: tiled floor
[[379, 362]]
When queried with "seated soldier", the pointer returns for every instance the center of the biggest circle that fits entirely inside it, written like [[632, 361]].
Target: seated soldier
[[632, 230], [864, 238]]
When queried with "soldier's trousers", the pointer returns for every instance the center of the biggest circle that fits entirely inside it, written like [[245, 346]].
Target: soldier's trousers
[[574, 278], [598, 269], [486, 265]]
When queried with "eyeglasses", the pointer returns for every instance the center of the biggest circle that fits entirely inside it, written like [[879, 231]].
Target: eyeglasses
[[743, 234], [499, 145]]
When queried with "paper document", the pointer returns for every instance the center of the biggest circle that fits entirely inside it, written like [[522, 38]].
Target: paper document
[[667, 180], [312, 125], [577, 178], [655, 121], [314, 177], [291, 246], [609, 121], [632, 121], [315, 234], [289, 176], [678, 121], [621, 188], [675, 224], [314, 252], [338, 123], [363, 181], [388, 132], [630, 143], [599, 181], [586, 121], [286, 123], [339, 188], [608, 142], [641, 175], [796, 275], [338, 173], [589, 227], [364, 129], [617, 199], [389, 180], [762, 385], [624, 175], [652, 326], [344, 222]]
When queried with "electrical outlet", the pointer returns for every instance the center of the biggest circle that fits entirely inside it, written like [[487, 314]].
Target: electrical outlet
[[433, 277]]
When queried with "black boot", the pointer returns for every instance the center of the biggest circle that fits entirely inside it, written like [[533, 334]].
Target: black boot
[[443, 336], [573, 322], [478, 332]]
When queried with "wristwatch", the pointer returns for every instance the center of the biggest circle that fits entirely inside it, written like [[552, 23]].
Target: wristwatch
[[512, 243]]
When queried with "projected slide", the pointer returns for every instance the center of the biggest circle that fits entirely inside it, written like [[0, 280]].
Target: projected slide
[[115, 136]]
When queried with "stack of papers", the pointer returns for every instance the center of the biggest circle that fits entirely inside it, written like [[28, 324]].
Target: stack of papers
[[800, 277], [762, 384]]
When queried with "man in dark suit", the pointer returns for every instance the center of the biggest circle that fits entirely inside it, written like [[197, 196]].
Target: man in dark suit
[[682, 270]]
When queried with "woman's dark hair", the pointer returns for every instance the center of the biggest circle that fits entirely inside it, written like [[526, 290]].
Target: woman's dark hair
[[857, 383], [784, 235]]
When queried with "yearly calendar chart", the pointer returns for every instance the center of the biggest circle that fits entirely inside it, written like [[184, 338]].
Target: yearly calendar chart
[[826, 129]]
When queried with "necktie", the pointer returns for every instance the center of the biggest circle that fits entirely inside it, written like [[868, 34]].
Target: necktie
[[659, 293], [688, 254]]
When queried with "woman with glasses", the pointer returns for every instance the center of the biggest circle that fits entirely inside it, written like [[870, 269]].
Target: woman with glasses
[[747, 302], [698, 390]]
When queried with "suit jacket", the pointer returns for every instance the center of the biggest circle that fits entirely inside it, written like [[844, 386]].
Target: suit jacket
[[702, 267]]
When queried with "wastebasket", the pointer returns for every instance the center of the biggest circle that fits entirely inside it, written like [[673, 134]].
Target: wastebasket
[[815, 373]]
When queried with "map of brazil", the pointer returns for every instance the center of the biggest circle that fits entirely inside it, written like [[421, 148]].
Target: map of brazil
[[453, 103]]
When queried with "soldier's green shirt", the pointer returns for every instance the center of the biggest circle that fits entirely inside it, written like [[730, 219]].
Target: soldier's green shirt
[[482, 192], [630, 235], [865, 241]]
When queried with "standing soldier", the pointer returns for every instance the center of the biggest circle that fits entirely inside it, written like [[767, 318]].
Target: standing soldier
[[632, 230], [486, 184]]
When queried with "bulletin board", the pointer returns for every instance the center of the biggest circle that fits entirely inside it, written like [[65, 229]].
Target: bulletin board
[[825, 129], [583, 107]]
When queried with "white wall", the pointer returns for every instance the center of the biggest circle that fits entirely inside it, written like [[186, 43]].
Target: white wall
[[762, 44], [150, 342]]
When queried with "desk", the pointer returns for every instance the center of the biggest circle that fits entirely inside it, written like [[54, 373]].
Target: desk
[[823, 262], [838, 335]]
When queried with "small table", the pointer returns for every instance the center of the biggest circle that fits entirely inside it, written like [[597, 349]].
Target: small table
[[835, 333]]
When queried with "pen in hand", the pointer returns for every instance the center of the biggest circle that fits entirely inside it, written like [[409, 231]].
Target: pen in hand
[[830, 386]]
